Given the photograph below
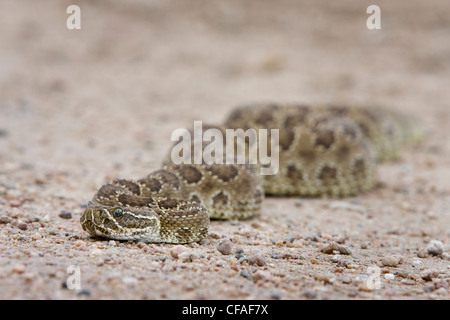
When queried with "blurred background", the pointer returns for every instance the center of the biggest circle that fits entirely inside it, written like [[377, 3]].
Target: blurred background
[[109, 95]]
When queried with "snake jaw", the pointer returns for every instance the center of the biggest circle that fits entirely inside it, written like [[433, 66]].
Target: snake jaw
[[131, 224]]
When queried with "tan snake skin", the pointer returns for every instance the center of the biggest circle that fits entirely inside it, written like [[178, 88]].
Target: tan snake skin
[[323, 150]]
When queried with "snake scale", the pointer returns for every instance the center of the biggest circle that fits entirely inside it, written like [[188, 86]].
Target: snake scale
[[323, 150]]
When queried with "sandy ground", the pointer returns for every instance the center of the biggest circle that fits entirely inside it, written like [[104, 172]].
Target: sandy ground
[[83, 106]]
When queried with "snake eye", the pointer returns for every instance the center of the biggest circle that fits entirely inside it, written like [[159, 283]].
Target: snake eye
[[118, 213]]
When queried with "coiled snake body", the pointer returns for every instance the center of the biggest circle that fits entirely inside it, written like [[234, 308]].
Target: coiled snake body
[[323, 150]]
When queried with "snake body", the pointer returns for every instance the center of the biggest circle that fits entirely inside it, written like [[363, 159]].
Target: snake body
[[323, 150]]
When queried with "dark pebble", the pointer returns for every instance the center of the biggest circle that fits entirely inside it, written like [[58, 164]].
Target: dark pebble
[[84, 292], [64, 214], [309, 294], [238, 256], [289, 239], [276, 295], [245, 274], [5, 219], [22, 226], [243, 259], [276, 255]]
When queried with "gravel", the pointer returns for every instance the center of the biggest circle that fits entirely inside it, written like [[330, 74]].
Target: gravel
[[67, 134]]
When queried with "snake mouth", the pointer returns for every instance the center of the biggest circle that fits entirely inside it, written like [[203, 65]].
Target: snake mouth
[[120, 224], [87, 223]]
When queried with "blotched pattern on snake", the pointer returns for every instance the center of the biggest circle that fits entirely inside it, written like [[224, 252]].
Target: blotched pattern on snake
[[323, 150]]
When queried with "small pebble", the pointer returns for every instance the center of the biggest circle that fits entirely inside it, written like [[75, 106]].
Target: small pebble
[[258, 260], [22, 226], [5, 219], [261, 275], [276, 255], [53, 232], [141, 245], [402, 274], [389, 276], [329, 249], [429, 274], [364, 245], [64, 214], [275, 294], [441, 291], [309, 294], [245, 274], [289, 239], [238, 256], [112, 243], [79, 243], [365, 286], [435, 247], [18, 268], [177, 250], [36, 236], [15, 203], [422, 254], [347, 206], [187, 256], [129, 280], [334, 246], [84, 292], [243, 259], [344, 250], [298, 203], [392, 261], [225, 247], [96, 252], [441, 283], [326, 278]]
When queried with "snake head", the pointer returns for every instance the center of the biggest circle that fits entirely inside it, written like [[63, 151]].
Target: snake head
[[121, 223]]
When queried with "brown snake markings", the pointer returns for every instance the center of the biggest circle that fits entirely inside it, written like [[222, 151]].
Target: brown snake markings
[[324, 150]]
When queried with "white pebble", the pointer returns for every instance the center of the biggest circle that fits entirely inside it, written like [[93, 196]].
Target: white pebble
[[129, 280], [112, 243], [435, 247], [96, 252], [177, 250], [389, 276]]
